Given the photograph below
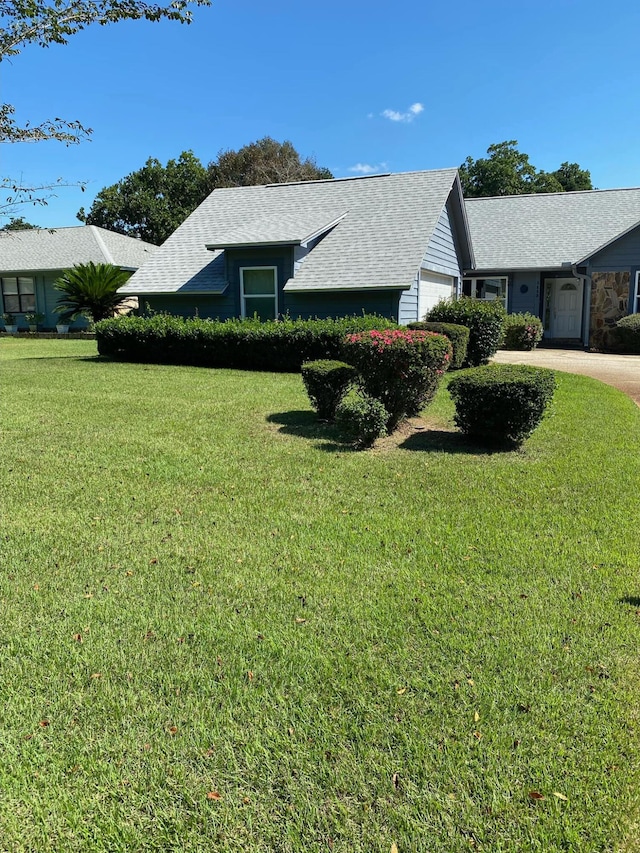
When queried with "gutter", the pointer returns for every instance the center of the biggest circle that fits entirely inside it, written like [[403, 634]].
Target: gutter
[[586, 291]]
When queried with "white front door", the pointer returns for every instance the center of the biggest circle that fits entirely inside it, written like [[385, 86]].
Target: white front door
[[566, 307], [433, 287]]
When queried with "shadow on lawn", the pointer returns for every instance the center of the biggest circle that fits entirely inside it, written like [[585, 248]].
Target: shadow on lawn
[[632, 600], [446, 441], [305, 424]]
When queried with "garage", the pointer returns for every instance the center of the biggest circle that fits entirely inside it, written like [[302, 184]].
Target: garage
[[432, 288]]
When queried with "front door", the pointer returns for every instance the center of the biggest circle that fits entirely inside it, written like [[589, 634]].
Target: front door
[[565, 303]]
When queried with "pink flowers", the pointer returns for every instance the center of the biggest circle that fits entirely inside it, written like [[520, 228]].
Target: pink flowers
[[391, 337]]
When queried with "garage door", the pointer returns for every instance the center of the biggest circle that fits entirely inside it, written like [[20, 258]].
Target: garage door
[[432, 288]]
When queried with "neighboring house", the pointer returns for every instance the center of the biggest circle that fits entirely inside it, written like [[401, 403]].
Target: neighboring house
[[573, 259], [389, 244], [31, 260]]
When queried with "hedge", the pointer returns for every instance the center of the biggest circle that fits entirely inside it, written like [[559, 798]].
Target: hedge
[[484, 320], [326, 383], [277, 345], [458, 335], [522, 332], [501, 403], [625, 336], [362, 417]]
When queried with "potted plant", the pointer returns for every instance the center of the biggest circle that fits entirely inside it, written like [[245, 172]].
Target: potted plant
[[62, 326], [33, 319], [10, 324]]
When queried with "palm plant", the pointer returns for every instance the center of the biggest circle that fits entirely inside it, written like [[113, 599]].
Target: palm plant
[[90, 290]]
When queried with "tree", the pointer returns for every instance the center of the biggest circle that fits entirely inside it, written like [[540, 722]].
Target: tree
[[90, 290], [507, 171], [265, 161], [151, 202], [18, 223], [25, 22], [573, 178]]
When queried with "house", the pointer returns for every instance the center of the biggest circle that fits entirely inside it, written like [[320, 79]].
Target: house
[[391, 244], [573, 259], [31, 260]]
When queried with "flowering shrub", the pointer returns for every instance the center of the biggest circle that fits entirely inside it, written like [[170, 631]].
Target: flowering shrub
[[399, 367], [522, 331]]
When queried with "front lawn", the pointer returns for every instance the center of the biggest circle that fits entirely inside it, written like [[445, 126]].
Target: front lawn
[[222, 630]]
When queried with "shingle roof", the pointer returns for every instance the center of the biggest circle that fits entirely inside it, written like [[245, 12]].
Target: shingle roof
[[61, 248], [548, 230], [379, 242]]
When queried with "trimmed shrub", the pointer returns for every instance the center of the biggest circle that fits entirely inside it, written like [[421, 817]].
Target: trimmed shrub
[[522, 332], [399, 367], [501, 403], [625, 336], [362, 417], [458, 335], [483, 319], [248, 344], [326, 383]]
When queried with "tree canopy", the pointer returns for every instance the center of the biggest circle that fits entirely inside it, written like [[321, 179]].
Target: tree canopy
[[18, 223], [153, 201], [265, 161], [508, 171]]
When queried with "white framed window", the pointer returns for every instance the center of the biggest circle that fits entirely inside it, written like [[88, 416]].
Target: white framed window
[[259, 292], [636, 299], [488, 289]]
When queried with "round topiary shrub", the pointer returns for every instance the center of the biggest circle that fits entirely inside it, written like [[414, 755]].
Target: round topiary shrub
[[522, 331], [483, 319], [362, 417], [458, 335], [625, 336], [501, 403], [399, 367], [326, 383]]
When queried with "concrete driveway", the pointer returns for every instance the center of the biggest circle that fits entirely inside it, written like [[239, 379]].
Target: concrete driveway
[[621, 371]]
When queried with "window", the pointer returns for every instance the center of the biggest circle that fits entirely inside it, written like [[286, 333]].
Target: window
[[18, 295], [259, 292], [636, 301], [486, 288]]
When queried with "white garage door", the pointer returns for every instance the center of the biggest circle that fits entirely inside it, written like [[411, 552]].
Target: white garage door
[[432, 288]]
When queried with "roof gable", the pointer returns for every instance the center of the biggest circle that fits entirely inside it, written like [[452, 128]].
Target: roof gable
[[549, 230], [38, 249], [375, 232]]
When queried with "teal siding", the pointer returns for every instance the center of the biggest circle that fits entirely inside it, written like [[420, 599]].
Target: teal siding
[[281, 258], [441, 255], [205, 305], [523, 293], [336, 304]]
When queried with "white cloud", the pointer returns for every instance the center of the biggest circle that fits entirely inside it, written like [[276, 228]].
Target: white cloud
[[413, 111], [367, 168]]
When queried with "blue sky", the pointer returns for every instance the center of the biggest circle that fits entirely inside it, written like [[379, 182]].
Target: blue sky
[[392, 86]]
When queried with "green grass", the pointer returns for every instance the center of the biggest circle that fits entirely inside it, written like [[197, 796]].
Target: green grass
[[203, 591]]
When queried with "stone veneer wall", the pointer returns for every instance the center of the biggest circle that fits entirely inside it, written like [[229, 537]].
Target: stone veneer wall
[[609, 300]]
